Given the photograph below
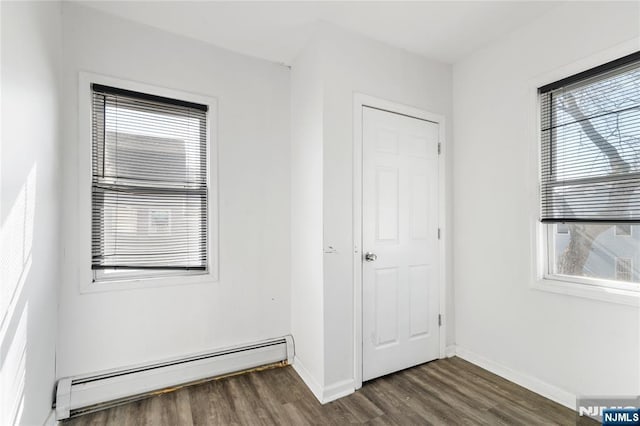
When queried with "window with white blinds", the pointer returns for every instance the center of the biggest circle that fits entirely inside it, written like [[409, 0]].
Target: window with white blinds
[[590, 176], [149, 182], [590, 133]]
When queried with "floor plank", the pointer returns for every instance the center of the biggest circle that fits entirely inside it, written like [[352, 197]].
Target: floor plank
[[443, 392]]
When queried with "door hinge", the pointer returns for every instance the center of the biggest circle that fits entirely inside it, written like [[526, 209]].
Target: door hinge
[[438, 233], [439, 320], [439, 148]]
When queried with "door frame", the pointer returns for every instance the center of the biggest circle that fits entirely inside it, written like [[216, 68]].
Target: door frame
[[360, 101]]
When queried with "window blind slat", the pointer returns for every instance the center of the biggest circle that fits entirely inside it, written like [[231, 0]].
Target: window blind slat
[[590, 145], [149, 179]]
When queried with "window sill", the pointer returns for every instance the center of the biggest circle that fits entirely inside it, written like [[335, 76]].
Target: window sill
[[144, 283], [593, 292]]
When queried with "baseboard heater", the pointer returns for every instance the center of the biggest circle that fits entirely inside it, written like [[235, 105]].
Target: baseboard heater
[[76, 395]]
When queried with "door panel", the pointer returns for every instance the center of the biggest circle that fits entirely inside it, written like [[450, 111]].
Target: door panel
[[419, 300], [386, 306], [400, 208], [387, 204]]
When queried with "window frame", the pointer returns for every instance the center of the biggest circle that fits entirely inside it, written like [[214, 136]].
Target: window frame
[[594, 282], [620, 260], [125, 281], [540, 277], [615, 230]]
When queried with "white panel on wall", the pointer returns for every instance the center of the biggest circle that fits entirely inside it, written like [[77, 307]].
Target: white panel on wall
[[546, 336], [30, 205], [253, 132]]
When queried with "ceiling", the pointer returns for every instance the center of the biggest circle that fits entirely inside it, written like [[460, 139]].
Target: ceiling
[[442, 30]]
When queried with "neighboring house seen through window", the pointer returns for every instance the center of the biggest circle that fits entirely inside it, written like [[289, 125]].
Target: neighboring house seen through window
[[149, 185]]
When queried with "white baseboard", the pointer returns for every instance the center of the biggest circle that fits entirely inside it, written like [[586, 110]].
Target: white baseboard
[[323, 394], [338, 390], [307, 378], [450, 351], [51, 419], [531, 383]]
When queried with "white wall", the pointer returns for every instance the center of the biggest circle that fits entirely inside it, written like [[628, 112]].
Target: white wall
[[251, 301], [353, 64], [306, 215], [357, 64], [575, 345], [29, 209]]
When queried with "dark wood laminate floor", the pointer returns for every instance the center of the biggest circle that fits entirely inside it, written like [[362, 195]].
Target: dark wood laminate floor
[[444, 392]]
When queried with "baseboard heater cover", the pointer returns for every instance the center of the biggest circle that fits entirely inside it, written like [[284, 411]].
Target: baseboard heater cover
[[74, 394]]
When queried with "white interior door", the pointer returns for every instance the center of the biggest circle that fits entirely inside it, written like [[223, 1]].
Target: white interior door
[[400, 292]]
